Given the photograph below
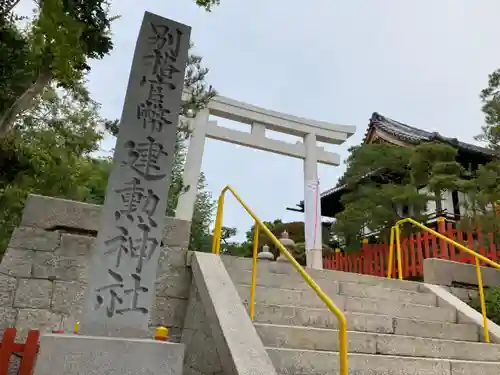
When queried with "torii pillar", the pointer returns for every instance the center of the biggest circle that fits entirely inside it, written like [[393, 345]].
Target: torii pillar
[[260, 119]]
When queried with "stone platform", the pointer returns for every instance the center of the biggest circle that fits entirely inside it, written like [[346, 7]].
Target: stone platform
[[78, 355]]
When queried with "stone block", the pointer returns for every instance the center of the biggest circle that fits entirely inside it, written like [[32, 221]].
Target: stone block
[[171, 256], [314, 339], [47, 213], [58, 267], [174, 282], [7, 288], [168, 312], [445, 272], [196, 315], [68, 298], [462, 293], [417, 312], [438, 330], [7, 317], [469, 368], [239, 347], [33, 293], [395, 295], [75, 355], [34, 239], [201, 351], [18, 262], [428, 348], [43, 320], [75, 245], [6, 298], [306, 298], [311, 362], [176, 232]]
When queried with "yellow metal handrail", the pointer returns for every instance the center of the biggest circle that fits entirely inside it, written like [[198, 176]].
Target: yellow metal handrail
[[478, 257], [259, 225]]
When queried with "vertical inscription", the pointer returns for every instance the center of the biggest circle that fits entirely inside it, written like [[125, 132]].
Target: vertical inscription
[[124, 262]]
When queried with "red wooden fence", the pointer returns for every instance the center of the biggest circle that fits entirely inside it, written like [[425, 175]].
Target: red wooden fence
[[373, 259], [27, 351]]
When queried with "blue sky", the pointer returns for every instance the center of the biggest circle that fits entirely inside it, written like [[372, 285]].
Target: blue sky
[[420, 62]]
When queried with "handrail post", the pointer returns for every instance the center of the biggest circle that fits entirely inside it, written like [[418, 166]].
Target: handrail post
[[398, 251], [218, 224], [260, 226], [255, 251], [478, 258], [486, 332], [391, 254]]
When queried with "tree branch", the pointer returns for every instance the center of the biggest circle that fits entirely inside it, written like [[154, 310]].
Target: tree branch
[[24, 102]]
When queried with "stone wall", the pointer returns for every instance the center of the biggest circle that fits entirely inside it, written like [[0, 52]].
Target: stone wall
[[201, 356], [43, 274]]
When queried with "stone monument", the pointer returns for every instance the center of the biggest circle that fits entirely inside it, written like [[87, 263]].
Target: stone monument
[[265, 254], [289, 244], [123, 266]]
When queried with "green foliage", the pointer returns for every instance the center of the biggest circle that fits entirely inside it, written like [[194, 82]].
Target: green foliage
[[207, 4], [382, 177], [55, 47], [55, 131], [490, 97], [49, 154], [492, 299]]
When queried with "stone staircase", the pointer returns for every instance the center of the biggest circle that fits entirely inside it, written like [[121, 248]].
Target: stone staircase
[[395, 327]]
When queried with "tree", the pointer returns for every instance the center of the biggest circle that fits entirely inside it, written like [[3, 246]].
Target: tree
[[207, 4], [382, 177], [55, 47], [62, 118], [490, 97], [48, 153]]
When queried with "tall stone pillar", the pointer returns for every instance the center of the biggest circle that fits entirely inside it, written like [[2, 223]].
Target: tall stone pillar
[[124, 261], [312, 205]]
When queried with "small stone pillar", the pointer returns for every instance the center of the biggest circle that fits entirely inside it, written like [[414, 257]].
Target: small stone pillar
[[289, 245], [265, 254]]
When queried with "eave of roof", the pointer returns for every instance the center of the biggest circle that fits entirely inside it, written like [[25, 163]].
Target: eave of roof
[[413, 135]]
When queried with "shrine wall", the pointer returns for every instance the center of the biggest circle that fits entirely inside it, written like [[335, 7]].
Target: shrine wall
[[43, 274]]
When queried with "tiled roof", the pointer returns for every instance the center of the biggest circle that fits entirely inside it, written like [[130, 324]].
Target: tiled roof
[[409, 134], [413, 135]]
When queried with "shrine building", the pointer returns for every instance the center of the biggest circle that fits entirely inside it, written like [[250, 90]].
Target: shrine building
[[382, 129]]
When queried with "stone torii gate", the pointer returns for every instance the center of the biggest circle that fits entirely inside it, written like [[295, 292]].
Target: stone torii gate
[[260, 119]]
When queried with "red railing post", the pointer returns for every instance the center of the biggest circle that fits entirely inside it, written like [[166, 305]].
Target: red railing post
[[30, 353], [6, 349]]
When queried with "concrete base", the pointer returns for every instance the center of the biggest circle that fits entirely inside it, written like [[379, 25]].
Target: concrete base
[[314, 259], [77, 355]]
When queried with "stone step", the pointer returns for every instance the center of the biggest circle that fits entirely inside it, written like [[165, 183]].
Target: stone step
[[235, 265], [274, 280], [307, 298], [311, 362], [293, 337], [362, 322], [373, 291]]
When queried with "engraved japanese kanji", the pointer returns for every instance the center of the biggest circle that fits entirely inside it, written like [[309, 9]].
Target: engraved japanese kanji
[[145, 158], [114, 290], [134, 301], [141, 248], [163, 57], [137, 203]]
